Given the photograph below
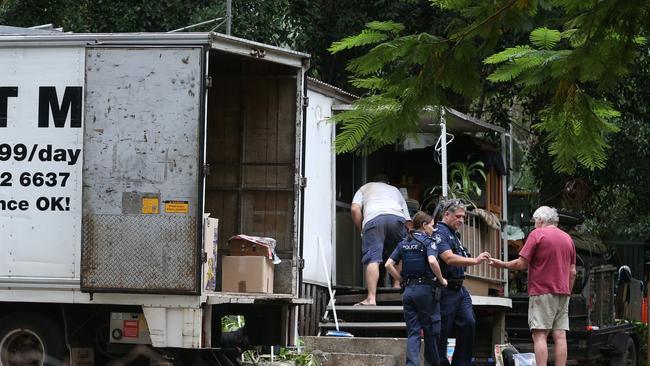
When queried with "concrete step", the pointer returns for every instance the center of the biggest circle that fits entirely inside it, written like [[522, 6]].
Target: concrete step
[[359, 345], [363, 325], [367, 321], [366, 350], [393, 297], [354, 359], [377, 309]]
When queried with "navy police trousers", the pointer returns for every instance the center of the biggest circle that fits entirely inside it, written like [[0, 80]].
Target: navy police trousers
[[457, 322], [421, 312]]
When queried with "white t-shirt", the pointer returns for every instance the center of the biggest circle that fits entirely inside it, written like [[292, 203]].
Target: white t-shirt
[[376, 198]]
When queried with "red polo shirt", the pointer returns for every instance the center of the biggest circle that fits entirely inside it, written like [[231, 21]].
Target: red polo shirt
[[550, 254]]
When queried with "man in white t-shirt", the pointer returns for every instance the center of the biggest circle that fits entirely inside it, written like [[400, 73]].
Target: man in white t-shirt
[[380, 214]]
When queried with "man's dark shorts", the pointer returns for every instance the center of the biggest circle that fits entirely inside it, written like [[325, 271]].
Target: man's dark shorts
[[380, 237]]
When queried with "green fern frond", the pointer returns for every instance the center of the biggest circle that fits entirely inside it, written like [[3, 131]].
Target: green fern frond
[[552, 63], [366, 37], [545, 38], [460, 79], [387, 26], [375, 32], [354, 128], [373, 61], [451, 4], [507, 72], [370, 83], [508, 54], [533, 80], [375, 121], [412, 49], [419, 48], [568, 33], [552, 56], [604, 110], [577, 128]]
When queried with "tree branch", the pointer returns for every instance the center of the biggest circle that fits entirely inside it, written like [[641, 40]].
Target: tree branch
[[486, 20]]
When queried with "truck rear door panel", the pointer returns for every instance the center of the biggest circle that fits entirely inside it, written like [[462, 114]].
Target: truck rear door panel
[[142, 170]]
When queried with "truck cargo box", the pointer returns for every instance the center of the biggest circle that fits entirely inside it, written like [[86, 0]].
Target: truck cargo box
[[127, 160]]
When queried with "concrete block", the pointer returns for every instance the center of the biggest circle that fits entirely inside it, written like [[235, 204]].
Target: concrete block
[[354, 359], [363, 345]]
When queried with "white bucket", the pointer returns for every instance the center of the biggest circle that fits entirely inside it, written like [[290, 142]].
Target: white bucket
[[524, 359]]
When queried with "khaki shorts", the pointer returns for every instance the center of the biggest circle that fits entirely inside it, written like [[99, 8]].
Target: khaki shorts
[[548, 311]]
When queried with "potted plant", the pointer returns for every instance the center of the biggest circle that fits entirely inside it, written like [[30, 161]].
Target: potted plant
[[465, 180]]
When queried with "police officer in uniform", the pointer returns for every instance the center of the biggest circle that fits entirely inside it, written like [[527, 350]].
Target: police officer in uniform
[[421, 296], [455, 304]]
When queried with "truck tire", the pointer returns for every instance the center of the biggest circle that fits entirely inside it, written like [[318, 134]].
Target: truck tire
[[30, 339], [628, 357]]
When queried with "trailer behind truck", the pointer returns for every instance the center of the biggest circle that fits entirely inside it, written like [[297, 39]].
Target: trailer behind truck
[[126, 162]]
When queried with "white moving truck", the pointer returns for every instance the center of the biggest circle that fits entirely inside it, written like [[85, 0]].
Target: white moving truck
[[114, 148]]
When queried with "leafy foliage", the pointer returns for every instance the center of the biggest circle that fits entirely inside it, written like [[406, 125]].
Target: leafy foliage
[[300, 358], [616, 192], [322, 22], [561, 77], [462, 175], [545, 38], [231, 323], [396, 70], [574, 117], [69, 14], [263, 21], [375, 33]]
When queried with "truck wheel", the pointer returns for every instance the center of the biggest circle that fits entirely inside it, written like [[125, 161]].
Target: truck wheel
[[30, 340], [627, 358]]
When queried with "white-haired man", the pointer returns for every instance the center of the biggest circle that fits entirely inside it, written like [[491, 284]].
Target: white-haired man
[[550, 256]]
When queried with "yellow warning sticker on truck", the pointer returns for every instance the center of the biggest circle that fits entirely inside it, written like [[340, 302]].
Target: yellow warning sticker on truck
[[150, 205], [177, 206]]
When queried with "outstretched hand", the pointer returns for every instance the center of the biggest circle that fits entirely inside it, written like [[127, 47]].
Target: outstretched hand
[[485, 256], [496, 263]]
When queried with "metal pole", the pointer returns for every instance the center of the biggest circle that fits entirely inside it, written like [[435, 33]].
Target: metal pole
[[228, 16], [510, 158], [504, 209], [443, 149], [329, 283]]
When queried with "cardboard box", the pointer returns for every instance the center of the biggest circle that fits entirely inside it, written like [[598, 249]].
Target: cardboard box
[[247, 274], [240, 247]]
